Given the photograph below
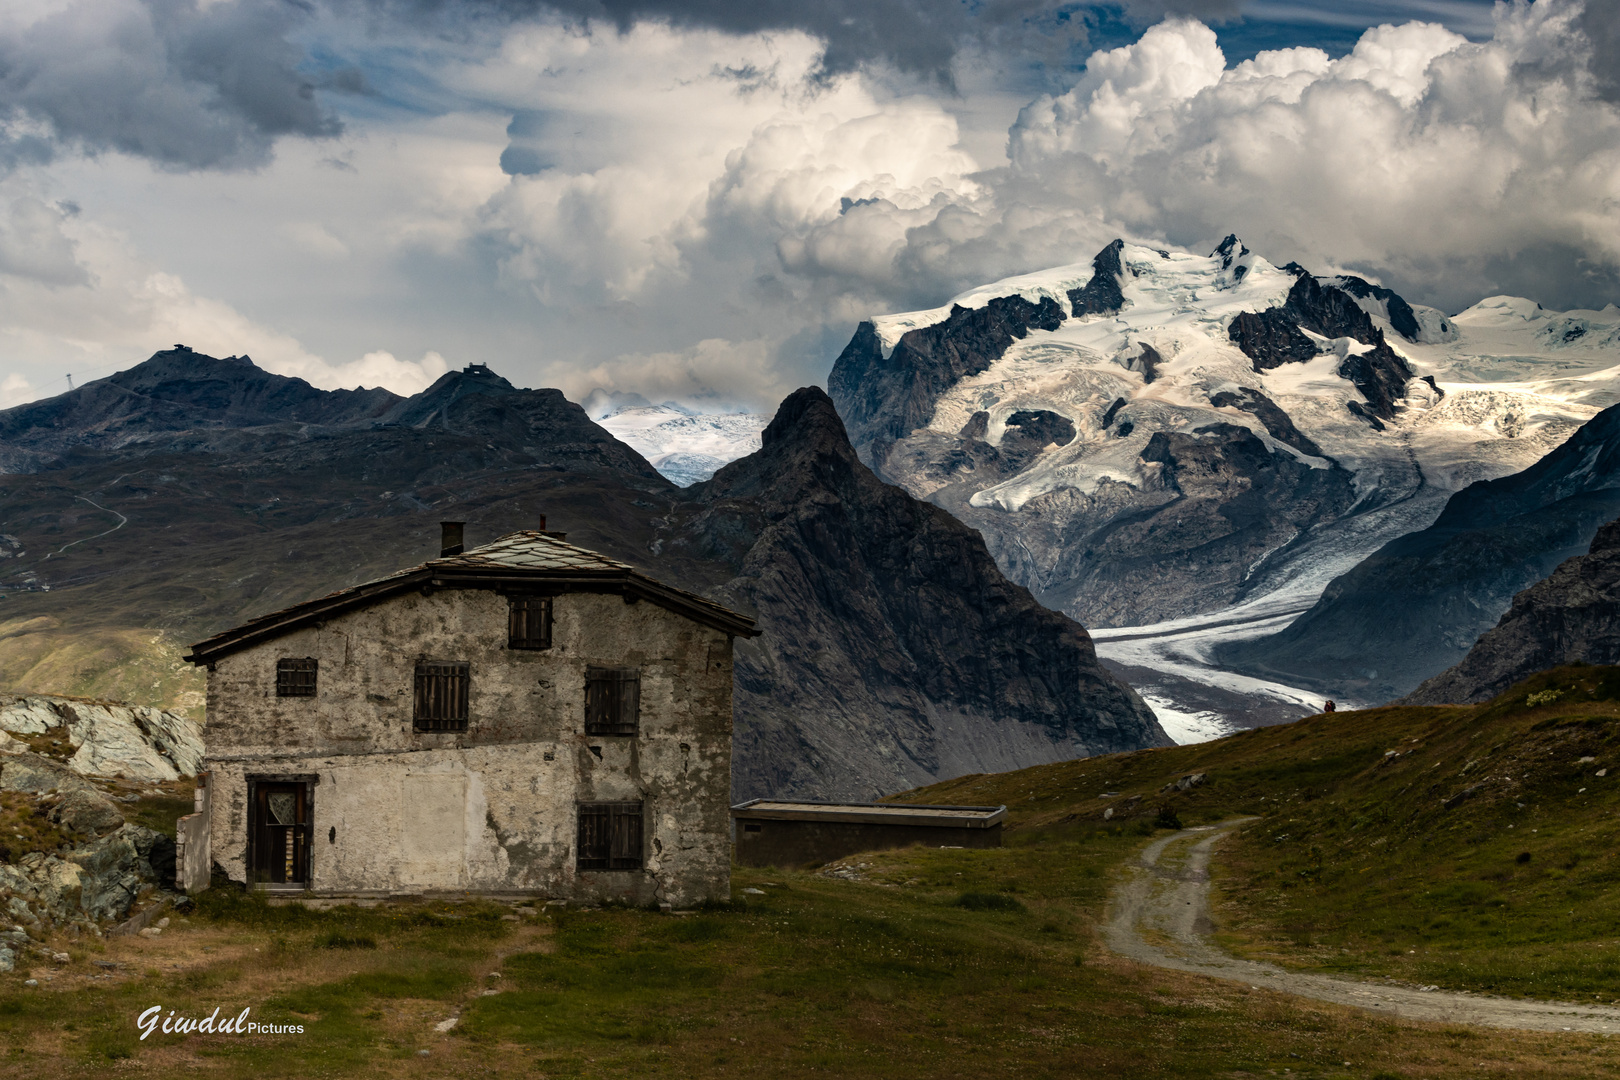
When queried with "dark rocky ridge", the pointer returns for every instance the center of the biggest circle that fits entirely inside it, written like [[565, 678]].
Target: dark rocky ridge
[[1417, 605], [1102, 294], [885, 398], [1272, 338], [1278, 423], [1401, 315], [1569, 617], [912, 657]]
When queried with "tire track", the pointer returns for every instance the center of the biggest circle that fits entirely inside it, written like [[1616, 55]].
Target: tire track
[[1168, 897]]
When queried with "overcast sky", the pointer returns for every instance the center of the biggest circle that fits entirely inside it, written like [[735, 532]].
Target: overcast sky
[[699, 199]]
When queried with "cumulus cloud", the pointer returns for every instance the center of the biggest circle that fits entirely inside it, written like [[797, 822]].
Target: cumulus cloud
[[700, 204], [184, 84], [96, 306], [1452, 169], [714, 374]]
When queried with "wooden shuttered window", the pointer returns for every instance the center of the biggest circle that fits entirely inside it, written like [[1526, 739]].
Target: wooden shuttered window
[[295, 677], [612, 701], [528, 622], [610, 836], [441, 695]]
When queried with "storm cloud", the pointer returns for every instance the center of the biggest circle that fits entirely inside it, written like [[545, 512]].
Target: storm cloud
[[181, 84]]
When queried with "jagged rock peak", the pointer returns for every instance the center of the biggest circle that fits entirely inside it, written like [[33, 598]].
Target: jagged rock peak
[[806, 414], [1101, 295], [1230, 250]]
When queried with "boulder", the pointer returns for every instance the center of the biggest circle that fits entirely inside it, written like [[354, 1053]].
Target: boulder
[[37, 774], [109, 739], [28, 715], [111, 743], [87, 811], [110, 878]]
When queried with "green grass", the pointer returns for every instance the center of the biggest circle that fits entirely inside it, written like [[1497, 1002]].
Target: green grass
[[1359, 865], [948, 962]]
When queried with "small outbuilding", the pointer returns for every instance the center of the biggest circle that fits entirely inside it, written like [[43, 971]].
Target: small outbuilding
[[770, 832]]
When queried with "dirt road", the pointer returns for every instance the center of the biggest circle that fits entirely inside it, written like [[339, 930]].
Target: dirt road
[[1167, 897]]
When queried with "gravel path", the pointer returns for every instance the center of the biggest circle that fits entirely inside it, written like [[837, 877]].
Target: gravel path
[[1167, 895]]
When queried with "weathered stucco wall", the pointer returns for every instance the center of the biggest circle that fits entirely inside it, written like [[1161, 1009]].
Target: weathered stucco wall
[[490, 809]]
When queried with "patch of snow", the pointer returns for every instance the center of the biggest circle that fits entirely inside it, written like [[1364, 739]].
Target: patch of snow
[[1185, 726], [683, 445]]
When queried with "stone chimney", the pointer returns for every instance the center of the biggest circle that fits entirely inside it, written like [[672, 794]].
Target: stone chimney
[[451, 539]]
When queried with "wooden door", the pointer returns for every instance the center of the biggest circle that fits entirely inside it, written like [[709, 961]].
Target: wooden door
[[281, 822]]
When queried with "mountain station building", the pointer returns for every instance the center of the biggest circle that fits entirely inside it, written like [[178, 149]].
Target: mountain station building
[[523, 718]]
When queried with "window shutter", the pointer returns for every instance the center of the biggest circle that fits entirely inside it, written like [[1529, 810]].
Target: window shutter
[[612, 701], [441, 695], [610, 836], [295, 677], [528, 622]]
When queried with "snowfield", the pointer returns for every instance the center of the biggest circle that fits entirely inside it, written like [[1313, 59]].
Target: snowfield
[[684, 445], [1497, 387]]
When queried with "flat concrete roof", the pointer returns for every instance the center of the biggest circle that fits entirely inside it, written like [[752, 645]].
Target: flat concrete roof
[[961, 817]]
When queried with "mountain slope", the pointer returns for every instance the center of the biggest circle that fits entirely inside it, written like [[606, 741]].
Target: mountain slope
[[1571, 616], [122, 550], [1156, 434], [893, 651], [1416, 605]]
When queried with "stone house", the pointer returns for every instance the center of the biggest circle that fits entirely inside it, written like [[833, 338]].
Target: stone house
[[527, 717]]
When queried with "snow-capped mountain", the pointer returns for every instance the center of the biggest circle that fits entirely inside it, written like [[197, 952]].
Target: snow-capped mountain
[[684, 445], [1159, 435]]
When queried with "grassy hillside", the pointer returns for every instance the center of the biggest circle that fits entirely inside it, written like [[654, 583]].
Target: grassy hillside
[[934, 964], [1466, 847], [141, 666], [954, 963]]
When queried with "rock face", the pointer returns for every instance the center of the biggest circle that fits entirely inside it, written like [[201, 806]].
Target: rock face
[[92, 884], [893, 652], [1418, 604], [888, 396], [1571, 616], [1276, 336], [109, 739], [1146, 445]]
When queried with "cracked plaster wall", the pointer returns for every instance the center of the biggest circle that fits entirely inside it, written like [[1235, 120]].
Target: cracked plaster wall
[[491, 809]]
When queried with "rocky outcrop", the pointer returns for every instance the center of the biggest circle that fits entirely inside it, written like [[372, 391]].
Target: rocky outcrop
[[108, 738], [1417, 605], [1279, 425], [1393, 304], [1571, 616], [893, 652], [85, 888], [1101, 295], [1273, 337], [885, 397]]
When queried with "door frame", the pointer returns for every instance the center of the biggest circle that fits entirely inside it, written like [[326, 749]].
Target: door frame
[[308, 780]]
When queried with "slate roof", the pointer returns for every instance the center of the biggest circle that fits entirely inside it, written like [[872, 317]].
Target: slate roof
[[529, 550], [516, 558]]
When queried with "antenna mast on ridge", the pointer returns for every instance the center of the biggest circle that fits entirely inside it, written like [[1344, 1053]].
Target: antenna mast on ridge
[[70, 380]]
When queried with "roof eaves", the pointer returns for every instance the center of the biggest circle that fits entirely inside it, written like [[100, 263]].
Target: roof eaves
[[276, 623]]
